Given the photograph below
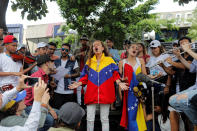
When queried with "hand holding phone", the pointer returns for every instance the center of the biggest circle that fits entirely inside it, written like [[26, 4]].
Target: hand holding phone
[[31, 81]]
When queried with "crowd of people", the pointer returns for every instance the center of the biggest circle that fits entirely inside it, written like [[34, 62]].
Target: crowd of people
[[63, 89]]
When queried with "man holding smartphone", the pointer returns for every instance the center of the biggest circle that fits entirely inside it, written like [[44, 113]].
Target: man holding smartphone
[[44, 64]]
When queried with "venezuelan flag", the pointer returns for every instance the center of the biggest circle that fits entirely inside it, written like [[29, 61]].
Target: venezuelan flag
[[136, 121]]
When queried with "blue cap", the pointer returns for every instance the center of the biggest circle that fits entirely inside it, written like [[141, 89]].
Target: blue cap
[[20, 96]]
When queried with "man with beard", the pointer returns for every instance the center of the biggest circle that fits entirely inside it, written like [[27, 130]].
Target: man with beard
[[9, 69], [51, 50], [62, 94]]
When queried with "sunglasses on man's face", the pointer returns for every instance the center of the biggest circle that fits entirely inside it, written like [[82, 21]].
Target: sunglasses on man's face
[[63, 49], [52, 49]]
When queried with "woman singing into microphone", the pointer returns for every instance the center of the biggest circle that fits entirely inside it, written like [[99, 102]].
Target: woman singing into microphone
[[99, 74]]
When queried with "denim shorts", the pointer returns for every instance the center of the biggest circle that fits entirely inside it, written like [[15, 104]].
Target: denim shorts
[[181, 101]]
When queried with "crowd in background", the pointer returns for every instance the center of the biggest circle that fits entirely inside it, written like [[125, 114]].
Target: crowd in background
[[74, 84]]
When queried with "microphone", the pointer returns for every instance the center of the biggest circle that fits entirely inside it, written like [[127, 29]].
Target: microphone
[[137, 91], [144, 78]]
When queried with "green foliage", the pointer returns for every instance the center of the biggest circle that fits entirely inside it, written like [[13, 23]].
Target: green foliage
[[101, 19], [70, 38], [147, 25], [98, 19], [57, 40], [192, 31], [170, 39], [35, 9], [182, 2]]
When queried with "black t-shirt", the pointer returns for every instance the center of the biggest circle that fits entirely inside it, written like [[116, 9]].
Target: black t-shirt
[[184, 77]]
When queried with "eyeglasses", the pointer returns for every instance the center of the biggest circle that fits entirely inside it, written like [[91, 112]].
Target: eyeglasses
[[63, 49], [51, 49]]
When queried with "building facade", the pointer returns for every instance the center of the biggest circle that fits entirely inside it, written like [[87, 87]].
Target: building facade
[[181, 20]]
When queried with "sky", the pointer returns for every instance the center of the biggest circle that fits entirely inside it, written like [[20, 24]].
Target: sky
[[54, 15]]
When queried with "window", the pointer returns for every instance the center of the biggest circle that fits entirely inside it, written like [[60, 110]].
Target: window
[[187, 17], [169, 16], [178, 19]]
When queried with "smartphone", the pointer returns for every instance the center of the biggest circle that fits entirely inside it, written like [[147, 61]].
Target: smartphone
[[31, 81]]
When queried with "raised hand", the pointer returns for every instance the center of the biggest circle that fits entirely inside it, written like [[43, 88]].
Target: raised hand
[[21, 84], [169, 60], [72, 58], [74, 85], [185, 46], [46, 97], [39, 90], [177, 52]]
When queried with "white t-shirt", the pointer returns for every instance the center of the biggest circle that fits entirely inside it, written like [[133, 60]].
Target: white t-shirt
[[60, 86], [157, 69], [166, 126], [8, 65]]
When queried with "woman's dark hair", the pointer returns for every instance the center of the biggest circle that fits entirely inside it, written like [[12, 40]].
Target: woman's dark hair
[[10, 111], [144, 48], [164, 107], [91, 52]]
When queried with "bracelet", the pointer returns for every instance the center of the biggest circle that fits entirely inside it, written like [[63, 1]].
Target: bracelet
[[45, 106]]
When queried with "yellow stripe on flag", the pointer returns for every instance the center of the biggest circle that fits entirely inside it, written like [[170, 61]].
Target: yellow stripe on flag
[[140, 118]]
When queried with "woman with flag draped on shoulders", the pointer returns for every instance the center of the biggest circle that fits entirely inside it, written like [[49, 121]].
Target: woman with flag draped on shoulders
[[132, 112], [99, 74]]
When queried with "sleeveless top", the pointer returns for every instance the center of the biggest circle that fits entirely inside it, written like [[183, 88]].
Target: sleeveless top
[[137, 68]]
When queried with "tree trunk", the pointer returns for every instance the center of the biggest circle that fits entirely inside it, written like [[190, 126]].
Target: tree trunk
[[3, 9]]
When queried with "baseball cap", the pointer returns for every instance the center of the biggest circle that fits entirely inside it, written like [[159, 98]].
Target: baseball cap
[[84, 37], [43, 59], [19, 97], [9, 39], [155, 43], [41, 44], [71, 113]]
